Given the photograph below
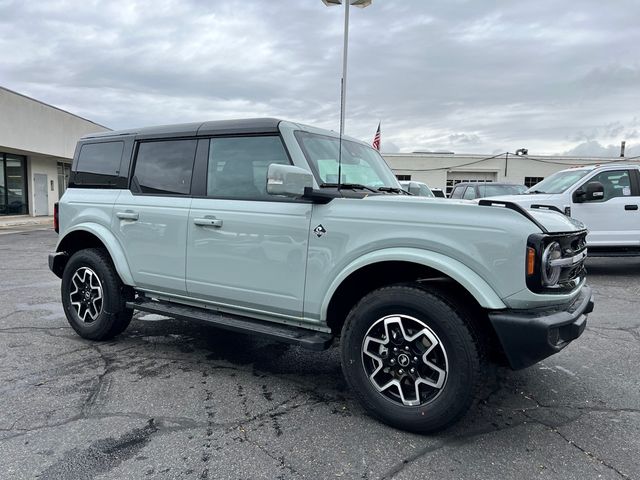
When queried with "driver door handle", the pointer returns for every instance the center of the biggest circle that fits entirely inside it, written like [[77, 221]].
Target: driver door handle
[[631, 207], [128, 215], [208, 222]]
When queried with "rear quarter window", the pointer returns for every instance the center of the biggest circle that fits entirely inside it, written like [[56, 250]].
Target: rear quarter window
[[98, 165], [100, 158]]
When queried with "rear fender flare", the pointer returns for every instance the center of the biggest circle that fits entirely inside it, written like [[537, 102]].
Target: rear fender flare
[[111, 243]]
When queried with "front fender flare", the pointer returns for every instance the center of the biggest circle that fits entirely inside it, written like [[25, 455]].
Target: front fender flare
[[112, 245], [470, 280]]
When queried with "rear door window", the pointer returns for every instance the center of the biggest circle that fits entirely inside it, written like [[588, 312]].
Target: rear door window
[[164, 167]]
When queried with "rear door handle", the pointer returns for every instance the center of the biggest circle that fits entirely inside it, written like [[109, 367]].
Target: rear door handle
[[208, 222], [631, 207], [128, 215]]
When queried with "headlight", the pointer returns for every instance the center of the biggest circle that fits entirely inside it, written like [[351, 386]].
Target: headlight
[[550, 273]]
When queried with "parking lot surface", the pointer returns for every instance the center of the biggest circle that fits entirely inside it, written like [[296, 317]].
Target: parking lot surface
[[171, 399]]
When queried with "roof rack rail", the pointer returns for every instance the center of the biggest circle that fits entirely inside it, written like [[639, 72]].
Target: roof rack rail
[[540, 206], [512, 206]]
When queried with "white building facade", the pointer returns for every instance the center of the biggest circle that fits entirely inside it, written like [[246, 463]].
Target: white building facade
[[37, 142], [443, 170]]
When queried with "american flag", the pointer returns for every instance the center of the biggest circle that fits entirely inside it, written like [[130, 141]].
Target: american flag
[[376, 139]]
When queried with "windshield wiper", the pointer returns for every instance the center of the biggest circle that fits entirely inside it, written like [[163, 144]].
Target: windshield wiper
[[352, 186], [394, 190]]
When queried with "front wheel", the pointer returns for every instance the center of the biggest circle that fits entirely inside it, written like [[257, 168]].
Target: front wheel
[[93, 296], [411, 358]]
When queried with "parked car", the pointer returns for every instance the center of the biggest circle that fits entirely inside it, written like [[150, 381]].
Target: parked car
[[473, 190], [241, 224], [417, 188], [606, 198]]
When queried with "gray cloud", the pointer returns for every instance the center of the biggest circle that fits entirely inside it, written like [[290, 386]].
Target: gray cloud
[[457, 75]]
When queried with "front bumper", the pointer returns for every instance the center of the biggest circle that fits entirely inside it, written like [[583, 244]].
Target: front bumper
[[528, 336]]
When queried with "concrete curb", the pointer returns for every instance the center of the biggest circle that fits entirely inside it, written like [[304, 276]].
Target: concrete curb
[[20, 221]]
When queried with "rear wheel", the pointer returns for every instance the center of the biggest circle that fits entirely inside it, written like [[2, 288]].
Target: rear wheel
[[93, 296], [411, 358]]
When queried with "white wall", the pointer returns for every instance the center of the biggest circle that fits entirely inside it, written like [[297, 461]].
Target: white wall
[[31, 126], [44, 134]]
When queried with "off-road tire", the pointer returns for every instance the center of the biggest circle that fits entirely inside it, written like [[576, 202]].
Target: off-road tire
[[464, 353], [113, 317]]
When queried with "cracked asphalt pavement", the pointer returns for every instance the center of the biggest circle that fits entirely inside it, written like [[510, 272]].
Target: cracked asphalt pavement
[[171, 399]]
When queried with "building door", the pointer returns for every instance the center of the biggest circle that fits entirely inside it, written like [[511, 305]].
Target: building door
[[40, 194]]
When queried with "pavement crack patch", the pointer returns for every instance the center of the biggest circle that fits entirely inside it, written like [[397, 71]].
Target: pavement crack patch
[[101, 456], [397, 468], [102, 386], [282, 461], [554, 428]]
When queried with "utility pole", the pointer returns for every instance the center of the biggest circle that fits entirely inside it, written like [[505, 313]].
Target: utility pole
[[622, 145]]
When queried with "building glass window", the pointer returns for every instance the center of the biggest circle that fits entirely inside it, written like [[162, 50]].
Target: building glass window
[[403, 178], [531, 181], [64, 169], [13, 185]]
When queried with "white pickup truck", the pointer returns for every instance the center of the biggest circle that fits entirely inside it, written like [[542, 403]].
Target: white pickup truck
[[606, 198]]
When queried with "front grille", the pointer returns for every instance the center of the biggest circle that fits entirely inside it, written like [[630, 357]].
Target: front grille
[[572, 245]]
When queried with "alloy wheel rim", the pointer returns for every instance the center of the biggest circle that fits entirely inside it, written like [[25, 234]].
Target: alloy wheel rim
[[405, 360], [86, 294]]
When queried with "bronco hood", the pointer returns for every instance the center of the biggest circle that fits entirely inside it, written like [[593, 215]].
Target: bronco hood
[[556, 222]]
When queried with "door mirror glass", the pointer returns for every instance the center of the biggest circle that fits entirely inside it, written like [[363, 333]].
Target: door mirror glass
[[593, 191], [288, 180]]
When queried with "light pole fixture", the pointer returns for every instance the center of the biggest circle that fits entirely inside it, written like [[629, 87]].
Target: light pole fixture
[[343, 89]]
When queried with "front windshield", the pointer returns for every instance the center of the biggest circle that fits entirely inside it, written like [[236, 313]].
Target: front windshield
[[360, 164], [558, 182]]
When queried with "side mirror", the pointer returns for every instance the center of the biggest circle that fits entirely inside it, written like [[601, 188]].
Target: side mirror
[[288, 180], [578, 195], [594, 191]]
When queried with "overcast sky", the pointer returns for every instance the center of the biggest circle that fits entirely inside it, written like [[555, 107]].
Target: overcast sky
[[477, 76]]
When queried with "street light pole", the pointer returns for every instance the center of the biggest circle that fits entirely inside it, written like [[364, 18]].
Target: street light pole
[[343, 92], [343, 83]]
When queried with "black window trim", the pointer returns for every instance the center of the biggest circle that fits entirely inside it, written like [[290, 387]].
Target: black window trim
[[199, 172], [635, 182]]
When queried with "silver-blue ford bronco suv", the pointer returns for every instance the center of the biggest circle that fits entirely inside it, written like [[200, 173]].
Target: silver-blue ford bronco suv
[[272, 228]]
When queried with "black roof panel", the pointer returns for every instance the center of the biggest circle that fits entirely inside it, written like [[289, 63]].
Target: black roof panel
[[218, 127]]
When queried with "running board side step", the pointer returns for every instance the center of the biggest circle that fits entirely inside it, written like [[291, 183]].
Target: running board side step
[[276, 331]]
